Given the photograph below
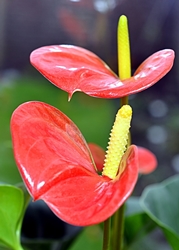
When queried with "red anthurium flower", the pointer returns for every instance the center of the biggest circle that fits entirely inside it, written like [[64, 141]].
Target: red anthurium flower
[[72, 69], [146, 159], [56, 165]]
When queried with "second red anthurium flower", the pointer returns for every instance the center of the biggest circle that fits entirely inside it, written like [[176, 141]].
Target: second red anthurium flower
[[57, 166], [72, 69]]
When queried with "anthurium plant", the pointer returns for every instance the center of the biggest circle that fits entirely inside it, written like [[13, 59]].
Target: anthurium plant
[[81, 183]]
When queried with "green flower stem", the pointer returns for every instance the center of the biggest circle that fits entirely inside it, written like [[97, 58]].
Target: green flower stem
[[124, 100], [118, 229], [106, 234]]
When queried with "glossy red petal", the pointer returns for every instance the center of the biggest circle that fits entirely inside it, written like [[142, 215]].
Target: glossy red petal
[[46, 142], [147, 161], [54, 161], [148, 73], [98, 154], [85, 198], [73, 69]]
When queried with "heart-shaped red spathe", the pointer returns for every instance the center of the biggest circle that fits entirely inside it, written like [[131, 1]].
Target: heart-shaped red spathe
[[147, 161], [72, 69], [56, 166]]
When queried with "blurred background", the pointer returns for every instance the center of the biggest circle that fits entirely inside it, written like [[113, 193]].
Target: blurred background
[[153, 25]]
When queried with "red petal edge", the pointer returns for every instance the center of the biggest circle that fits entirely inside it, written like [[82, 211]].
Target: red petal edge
[[85, 199], [147, 161], [72, 69]]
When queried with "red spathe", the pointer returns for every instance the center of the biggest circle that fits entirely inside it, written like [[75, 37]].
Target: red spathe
[[56, 166], [72, 69]]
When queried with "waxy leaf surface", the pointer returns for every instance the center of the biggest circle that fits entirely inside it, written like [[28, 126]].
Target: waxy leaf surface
[[11, 211], [161, 203], [72, 69], [57, 166]]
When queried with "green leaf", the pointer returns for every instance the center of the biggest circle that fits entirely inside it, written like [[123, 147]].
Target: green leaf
[[11, 211], [161, 203], [135, 215], [90, 238], [133, 206], [150, 241]]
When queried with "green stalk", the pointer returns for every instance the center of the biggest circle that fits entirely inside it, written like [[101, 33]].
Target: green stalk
[[124, 100], [106, 234], [118, 227]]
